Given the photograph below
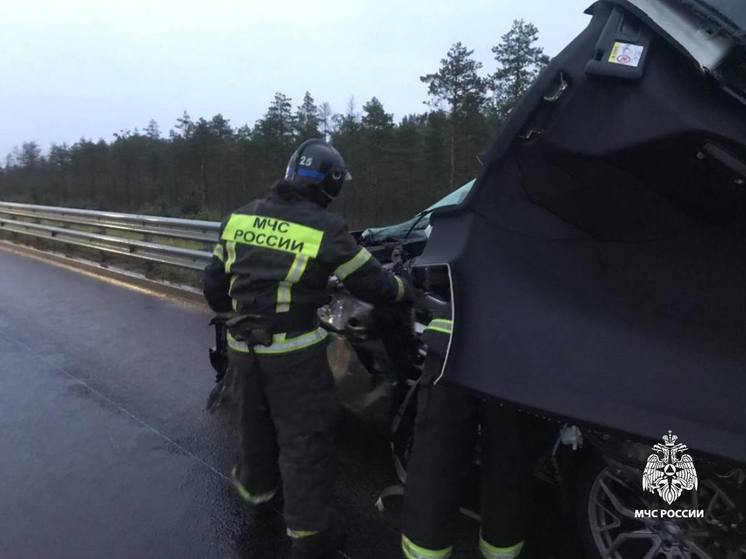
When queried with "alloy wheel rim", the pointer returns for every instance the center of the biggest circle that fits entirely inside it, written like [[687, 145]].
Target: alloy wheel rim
[[617, 534]]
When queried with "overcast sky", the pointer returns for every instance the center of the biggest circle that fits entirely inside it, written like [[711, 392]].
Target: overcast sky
[[87, 68]]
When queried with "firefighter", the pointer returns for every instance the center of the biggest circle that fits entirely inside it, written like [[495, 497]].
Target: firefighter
[[449, 425], [271, 268]]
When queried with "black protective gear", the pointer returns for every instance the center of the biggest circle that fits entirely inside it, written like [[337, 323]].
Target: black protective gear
[[442, 461], [446, 437], [216, 284], [286, 414], [408, 294], [322, 545], [436, 338], [276, 255], [318, 165], [272, 267]]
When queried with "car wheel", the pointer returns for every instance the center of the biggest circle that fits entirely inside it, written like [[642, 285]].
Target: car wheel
[[606, 500]]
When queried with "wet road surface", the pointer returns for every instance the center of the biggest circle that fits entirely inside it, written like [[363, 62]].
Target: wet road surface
[[105, 450]]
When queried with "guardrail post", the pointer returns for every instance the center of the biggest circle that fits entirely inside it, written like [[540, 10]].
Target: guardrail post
[[149, 265], [36, 242], [66, 248], [103, 257]]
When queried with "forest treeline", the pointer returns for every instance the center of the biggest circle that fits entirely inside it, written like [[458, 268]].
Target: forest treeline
[[207, 167]]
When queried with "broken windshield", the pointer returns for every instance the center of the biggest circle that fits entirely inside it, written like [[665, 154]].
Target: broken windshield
[[417, 227]]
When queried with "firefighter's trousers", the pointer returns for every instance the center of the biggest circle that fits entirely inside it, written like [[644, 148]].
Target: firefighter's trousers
[[447, 433], [287, 412]]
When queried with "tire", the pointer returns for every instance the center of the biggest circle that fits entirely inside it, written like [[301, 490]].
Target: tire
[[605, 495], [584, 478]]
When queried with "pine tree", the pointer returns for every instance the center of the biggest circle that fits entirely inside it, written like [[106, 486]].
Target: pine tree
[[349, 122], [377, 128], [277, 128], [520, 61], [220, 127], [152, 130], [30, 155], [275, 137], [458, 84], [325, 116], [375, 117], [307, 119], [184, 126]]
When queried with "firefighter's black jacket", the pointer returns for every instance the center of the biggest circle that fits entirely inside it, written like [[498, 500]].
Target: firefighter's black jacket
[[276, 254]]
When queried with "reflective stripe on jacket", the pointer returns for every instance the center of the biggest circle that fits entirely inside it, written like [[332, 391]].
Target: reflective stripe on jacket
[[277, 254]]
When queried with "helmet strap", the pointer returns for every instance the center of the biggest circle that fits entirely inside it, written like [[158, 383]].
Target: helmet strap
[[325, 193]]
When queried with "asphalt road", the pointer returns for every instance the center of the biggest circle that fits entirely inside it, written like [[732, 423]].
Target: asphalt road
[[105, 450]]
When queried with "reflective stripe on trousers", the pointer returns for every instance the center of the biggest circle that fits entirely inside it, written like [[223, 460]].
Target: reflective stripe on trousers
[[300, 534], [281, 343], [490, 551], [413, 551], [441, 325], [246, 495], [399, 288]]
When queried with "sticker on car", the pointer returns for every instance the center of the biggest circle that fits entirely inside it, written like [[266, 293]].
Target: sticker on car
[[626, 54]]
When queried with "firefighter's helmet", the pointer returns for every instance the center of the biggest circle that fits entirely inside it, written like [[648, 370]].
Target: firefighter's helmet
[[317, 164]]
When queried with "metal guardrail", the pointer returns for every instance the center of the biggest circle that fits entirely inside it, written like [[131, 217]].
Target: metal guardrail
[[72, 226]]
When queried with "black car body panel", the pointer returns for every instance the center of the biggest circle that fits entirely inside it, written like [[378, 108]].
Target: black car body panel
[[729, 15], [599, 263]]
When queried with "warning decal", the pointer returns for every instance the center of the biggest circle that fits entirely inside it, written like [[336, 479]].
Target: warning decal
[[626, 54]]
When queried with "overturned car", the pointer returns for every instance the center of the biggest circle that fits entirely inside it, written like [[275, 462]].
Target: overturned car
[[613, 211]]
